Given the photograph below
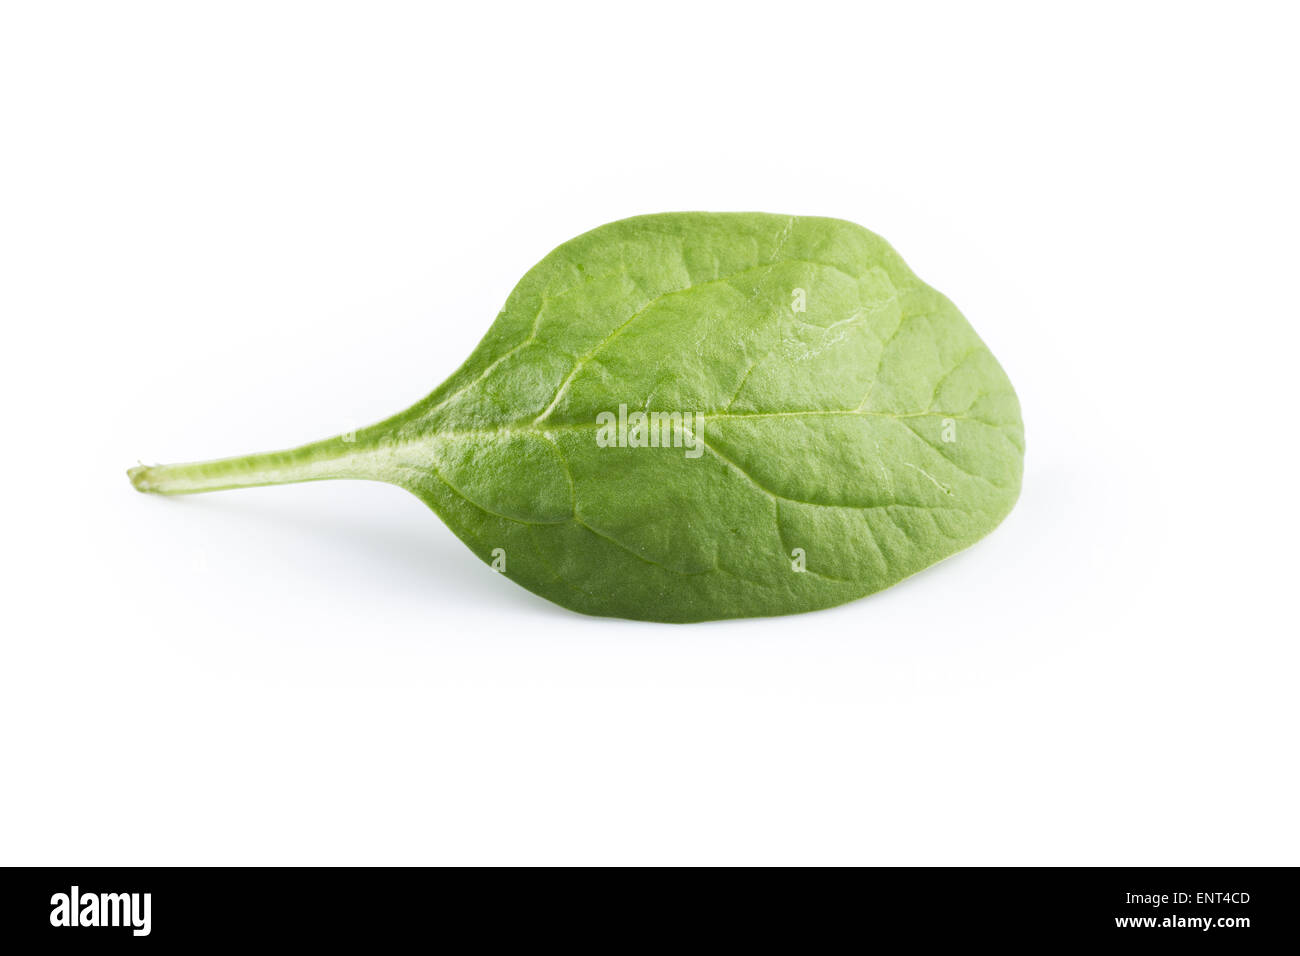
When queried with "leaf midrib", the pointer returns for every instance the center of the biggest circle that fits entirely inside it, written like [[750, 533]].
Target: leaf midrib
[[532, 427]]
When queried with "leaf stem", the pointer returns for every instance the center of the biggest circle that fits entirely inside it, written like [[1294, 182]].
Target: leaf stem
[[331, 458]]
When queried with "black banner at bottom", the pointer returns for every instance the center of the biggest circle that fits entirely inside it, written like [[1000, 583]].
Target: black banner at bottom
[[371, 908]]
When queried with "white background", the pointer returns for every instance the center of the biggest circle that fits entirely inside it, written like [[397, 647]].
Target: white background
[[236, 227]]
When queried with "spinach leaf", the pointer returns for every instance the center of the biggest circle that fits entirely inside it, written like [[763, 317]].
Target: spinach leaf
[[692, 416]]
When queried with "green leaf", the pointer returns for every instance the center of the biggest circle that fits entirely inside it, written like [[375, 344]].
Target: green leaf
[[830, 424]]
